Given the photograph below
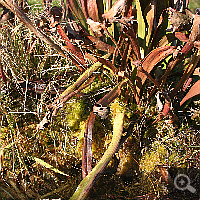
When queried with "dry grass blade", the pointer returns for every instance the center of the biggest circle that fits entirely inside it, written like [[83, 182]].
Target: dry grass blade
[[69, 92], [45, 164], [23, 17]]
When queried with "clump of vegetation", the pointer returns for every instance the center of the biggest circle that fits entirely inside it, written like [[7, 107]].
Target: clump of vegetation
[[98, 100]]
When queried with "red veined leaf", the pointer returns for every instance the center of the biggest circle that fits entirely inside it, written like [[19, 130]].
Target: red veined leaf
[[124, 57], [108, 64], [134, 42], [98, 43], [84, 8], [166, 108], [79, 59], [186, 84], [187, 73], [152, 59], [155, 34], [187, 47], [100, 6], [92, 10], [195, 90], [181, 36]]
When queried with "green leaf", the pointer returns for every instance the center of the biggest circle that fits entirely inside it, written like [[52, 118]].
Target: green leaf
[[141, 26], [150, 14], [78, 12]]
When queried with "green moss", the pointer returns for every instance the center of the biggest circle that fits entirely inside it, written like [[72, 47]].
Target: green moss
[[155, 156]]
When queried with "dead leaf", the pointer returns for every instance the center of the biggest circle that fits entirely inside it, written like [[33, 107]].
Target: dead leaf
[[96, 27], [195, 33], [197, 44], [118, 8], [197, 71], [180, 19], [156, 32]]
